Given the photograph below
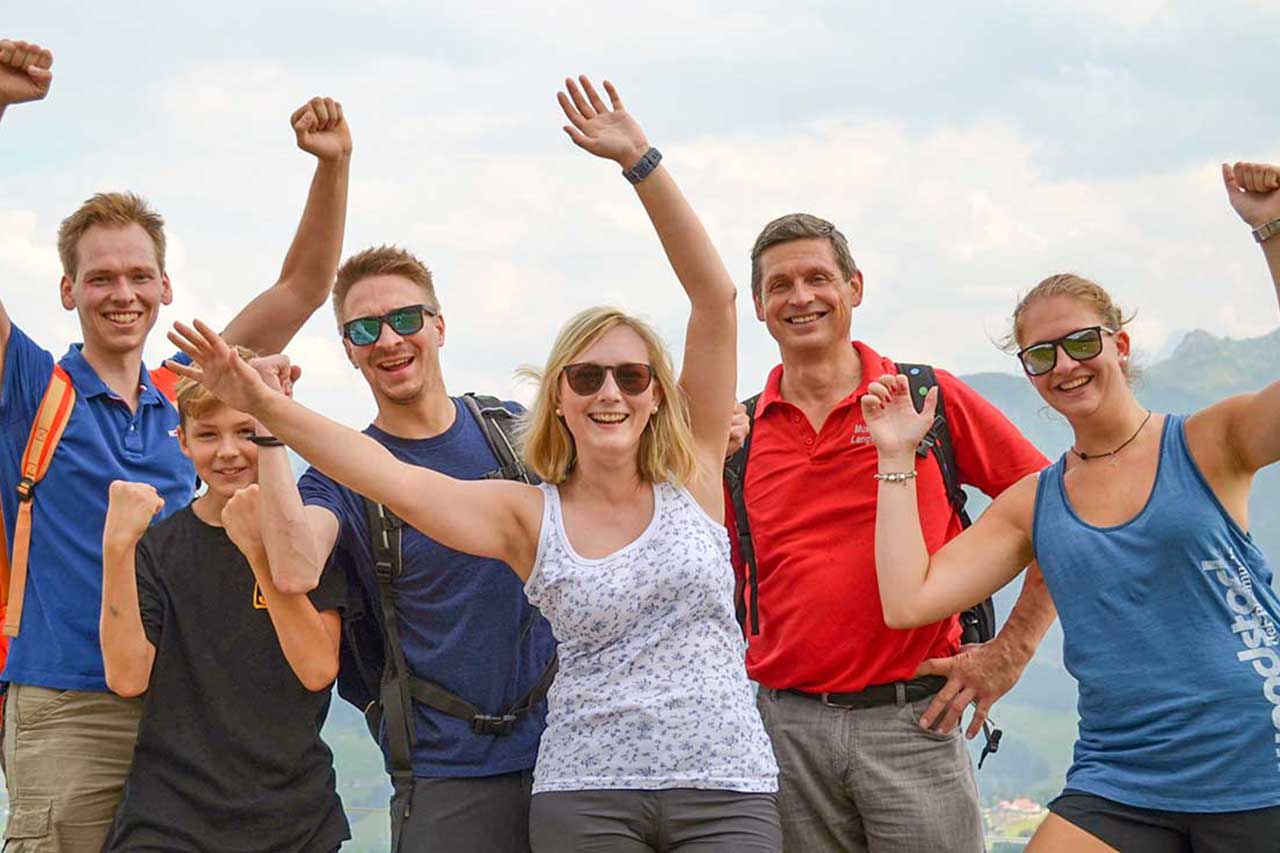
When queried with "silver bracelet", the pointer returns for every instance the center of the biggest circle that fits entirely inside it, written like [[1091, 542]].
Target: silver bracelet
[[896, 476], [1266, 230]]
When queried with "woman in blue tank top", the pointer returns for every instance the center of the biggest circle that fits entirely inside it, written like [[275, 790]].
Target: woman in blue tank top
[[1170, 623]]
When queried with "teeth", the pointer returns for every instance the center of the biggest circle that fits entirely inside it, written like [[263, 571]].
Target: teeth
[[392, 365], [1074, 384], [123, 316], [802, 319], [609, 417]]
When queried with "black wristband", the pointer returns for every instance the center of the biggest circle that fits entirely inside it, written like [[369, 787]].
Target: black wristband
[[645, 167], [266, 441]]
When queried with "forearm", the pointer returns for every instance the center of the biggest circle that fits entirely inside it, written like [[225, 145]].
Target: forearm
[[269, 322], [1271, 251], [286, 534], [308, 646], [1029, 620], [902, 560], [127, 654], [689, 249]]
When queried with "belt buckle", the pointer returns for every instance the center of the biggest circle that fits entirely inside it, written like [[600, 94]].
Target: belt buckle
[[826, 701]]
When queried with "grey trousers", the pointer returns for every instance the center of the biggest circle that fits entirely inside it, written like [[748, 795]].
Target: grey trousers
[[489, 813], [870, 779], [675, 819]]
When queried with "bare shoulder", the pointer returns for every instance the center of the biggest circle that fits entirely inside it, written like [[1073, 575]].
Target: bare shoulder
[[1016, 505]]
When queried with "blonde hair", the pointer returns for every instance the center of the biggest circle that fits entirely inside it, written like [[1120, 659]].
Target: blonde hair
[[382, 260], [113, 210], [194, 400], [666, 447], [1077, 287]]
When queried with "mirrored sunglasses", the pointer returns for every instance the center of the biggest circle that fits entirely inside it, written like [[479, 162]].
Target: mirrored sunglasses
[[408, 320], [1081, 345]]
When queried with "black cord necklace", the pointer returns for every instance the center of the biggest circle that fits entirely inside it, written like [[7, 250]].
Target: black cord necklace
[[1085, 457]]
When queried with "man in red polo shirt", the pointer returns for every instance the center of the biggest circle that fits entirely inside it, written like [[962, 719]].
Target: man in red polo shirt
[[864, 729]]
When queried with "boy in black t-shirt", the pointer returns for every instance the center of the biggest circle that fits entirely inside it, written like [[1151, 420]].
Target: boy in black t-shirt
[[235, 658]]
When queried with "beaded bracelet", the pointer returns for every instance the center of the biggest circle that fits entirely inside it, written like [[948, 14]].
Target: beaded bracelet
[[896, 476]]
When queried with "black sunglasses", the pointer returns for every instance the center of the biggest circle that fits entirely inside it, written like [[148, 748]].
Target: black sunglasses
[[1082, 345], [587, 377], [363, 331]]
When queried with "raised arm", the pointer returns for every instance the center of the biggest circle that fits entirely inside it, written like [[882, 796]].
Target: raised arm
[[914, 588], [269, 322], [1239, 434], [26, 73], [497, 519], [127, 654], [709, 372], [308, 637]]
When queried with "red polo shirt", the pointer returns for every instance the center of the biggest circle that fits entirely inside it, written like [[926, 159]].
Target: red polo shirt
[[811, 498]]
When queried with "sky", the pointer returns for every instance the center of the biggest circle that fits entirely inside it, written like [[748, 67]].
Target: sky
[[968, 150]]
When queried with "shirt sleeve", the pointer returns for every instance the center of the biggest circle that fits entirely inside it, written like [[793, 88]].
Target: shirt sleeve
[[151, 598], [331, 592], [27, 368], [991, 454]]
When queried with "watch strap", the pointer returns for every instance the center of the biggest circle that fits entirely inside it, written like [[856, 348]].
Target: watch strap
[[1266, 231], [645, 167]]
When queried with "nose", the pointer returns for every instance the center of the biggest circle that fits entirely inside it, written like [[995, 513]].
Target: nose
[[801, 293], [121, 289], [609, 389], [229, 445]]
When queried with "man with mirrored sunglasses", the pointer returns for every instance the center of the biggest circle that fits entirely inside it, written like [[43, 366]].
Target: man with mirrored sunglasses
[[863, 717], [462, 625]]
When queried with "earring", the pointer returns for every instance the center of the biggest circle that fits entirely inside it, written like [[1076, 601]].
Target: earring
[[655, 410], [559, 414]]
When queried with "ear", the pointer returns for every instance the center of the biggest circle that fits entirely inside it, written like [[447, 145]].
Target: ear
[[349, 350], [1123, 344], [438, 322], [166, 289], [182, 442], [756, 301], [855, 284], [66, 290]]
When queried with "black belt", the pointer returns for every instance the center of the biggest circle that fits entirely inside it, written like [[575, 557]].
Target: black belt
[[895, 693]]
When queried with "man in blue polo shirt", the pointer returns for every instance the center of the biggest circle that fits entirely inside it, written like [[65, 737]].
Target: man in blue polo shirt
[[67, 740], [463, 621]]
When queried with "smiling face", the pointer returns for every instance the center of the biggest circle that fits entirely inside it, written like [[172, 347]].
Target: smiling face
[[118, 289], [1075, 388], [217, 440], [609, 422], [398, 368], [805, 301]]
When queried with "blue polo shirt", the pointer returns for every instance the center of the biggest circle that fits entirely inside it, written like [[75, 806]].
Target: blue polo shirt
[[104, 441]]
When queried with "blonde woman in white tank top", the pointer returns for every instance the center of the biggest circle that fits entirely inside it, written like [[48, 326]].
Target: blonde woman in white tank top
[[653, 738]]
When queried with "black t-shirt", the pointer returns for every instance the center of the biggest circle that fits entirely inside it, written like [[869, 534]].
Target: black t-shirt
[[229, 755]]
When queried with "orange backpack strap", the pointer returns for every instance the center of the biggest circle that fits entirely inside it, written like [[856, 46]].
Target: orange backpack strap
[[46, 431]]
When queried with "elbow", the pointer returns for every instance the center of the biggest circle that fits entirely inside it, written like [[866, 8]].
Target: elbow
[[127, 684], [320, 676], [295, 583], [900, 617]]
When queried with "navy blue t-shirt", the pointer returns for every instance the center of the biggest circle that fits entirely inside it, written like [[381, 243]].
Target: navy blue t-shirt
[[462, 618]]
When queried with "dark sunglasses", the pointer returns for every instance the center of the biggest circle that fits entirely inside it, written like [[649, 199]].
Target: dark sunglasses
[[363, 331], [586, 377], [1082, 345]]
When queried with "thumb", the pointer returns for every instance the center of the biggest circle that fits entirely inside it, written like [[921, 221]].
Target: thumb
[[305, 124], [930, 406], [935, 666], [1229, 179], [38, 74]]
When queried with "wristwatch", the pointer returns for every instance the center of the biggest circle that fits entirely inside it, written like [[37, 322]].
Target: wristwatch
[[1266, 231], [642, 170]]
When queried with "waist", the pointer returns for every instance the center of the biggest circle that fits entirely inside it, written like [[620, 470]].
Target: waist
[[893, 693]]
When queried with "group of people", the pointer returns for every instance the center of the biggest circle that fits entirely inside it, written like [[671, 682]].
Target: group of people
[[560, 619]]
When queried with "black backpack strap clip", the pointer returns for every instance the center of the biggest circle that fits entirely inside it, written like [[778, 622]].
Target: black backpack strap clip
[[499, 426]]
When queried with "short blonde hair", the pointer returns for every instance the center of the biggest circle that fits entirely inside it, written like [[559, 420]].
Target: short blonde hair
[[666, 451], [113, 210], [1079, 288], [194, 400], [382, 260]]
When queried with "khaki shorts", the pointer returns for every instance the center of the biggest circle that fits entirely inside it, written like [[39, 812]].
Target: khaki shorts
[[66, 756]]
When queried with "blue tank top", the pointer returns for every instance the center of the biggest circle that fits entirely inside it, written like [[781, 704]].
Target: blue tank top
[[1170, 627]]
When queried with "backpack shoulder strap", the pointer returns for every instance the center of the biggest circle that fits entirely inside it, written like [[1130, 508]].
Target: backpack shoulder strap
[[397, 711], [499, 427], [921, 378], [46, 431], [735, 477]]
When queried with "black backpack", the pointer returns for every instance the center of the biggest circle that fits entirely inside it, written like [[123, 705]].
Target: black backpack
[[977, 624], [372, 673]]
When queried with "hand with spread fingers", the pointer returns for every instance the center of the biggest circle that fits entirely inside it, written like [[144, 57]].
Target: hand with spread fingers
[[25, 72], [277, 371], [895, 425], [321, 129], [1254, 191], [218, 367], [605, 130], [979, 674]]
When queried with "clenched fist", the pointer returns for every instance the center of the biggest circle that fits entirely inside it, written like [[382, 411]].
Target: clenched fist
[[25, 72], [130, 509], [321, 129], [242, 519]]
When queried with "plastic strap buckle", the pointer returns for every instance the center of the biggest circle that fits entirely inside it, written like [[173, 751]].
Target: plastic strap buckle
[[26, 489], [485, 724]]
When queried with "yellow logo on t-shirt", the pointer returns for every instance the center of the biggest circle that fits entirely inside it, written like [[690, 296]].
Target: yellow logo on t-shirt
[[259, 600]]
